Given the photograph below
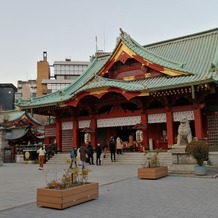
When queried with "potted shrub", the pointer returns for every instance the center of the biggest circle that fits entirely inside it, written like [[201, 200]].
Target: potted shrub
[[72, 189], [199, 150], [151, 168]]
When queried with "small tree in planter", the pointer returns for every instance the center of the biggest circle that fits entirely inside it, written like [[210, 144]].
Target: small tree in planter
[[151, 168], [199, 150], [72, 189]]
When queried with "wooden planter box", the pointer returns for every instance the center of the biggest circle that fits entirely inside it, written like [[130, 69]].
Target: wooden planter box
[[60, 199], [152, 173]]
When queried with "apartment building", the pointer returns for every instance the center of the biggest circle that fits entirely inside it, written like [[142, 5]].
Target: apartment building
[[51, 78], [26, 89], [7, 96]]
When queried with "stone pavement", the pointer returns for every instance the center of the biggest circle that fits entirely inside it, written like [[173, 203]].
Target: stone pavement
[[121, 194]]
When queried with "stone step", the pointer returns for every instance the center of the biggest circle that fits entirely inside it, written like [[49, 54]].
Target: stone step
[[138, 158]]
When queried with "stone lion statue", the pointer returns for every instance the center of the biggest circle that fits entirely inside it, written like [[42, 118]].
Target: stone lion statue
[[184, 132]]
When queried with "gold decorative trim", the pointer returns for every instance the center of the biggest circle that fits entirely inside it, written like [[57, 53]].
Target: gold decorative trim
[[147, 75], [144, 94], [61, 105], [173, 72], [128, 78], [98, 91], [122, 48]]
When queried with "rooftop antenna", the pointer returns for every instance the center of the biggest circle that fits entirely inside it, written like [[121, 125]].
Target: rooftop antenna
[[104, 38], [96, 43]]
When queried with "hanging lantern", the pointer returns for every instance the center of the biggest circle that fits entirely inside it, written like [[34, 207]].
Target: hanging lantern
[[87, 129], [87, 135], [139, 126], [139, 133]]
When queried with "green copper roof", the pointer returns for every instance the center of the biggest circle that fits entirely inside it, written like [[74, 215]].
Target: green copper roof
[[105, 82], [197, 51], [14, 115], [195, 55], [67, 93], [152, 56]]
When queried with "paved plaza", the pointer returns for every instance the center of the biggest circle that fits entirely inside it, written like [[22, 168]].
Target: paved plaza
[[121, 194]]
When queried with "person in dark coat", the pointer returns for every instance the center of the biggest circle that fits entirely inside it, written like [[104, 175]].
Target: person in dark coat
[[112, 146], [98, 154], [83, 153], [90, 152]]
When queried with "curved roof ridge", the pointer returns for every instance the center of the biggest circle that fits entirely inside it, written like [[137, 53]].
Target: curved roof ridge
[[65, 92], [109, 79], [87, 75], [13, 115], [112, 83], [81, 77], [129, 40]]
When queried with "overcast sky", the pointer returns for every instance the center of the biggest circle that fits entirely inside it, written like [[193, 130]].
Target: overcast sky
[[68, 28]]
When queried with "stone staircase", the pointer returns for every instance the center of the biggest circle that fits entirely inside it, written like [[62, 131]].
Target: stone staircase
[[137, 158]]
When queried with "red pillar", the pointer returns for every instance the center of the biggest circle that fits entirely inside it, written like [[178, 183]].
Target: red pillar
[[75, 133], [58, 135], [169, 116], [93, 126], [47, 139], [145, 131], [198, 123]]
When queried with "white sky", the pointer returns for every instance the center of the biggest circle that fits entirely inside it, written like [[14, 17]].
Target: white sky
[[68, 28]]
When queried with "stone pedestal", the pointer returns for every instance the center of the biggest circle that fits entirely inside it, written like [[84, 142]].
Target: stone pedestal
[[179, 155], [182, 169], [181, 162]]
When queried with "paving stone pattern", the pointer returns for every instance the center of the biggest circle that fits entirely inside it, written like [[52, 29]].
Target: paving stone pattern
[[122, 194]]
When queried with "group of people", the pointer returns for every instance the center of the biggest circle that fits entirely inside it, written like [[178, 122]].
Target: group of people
[[84, 154]]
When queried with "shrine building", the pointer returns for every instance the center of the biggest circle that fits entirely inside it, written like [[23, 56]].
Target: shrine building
[[152, 86]]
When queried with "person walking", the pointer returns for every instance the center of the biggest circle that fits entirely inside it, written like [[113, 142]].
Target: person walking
[[90, 152], [119, 144], [104, 148], [41, 151], [98, 154], [112, 149], [73, 155], [83, 152]]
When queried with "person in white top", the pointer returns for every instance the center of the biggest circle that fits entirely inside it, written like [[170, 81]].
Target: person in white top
[[41, 153], [119, 145]]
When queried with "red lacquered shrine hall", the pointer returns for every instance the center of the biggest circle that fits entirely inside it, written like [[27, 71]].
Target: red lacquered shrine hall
[[154, 86]]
